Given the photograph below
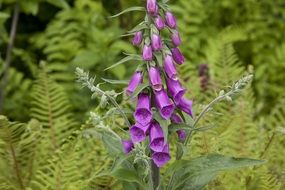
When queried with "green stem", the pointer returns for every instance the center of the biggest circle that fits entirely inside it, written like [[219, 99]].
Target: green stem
[[154, 175]]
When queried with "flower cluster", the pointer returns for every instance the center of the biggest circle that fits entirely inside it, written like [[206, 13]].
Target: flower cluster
[[166, 95]]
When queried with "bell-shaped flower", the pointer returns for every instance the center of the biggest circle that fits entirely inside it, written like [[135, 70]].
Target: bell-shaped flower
[[169, 67], [147, 53], [152, 7], [181, 133], [164, 104], [128, 146], [175, 89], [134, 82], [155, 79], [159, 23], [143, 114], [156, 137], [175, 37], [161, 158], [137, 39], [177, 56], [138, 132], [156, 42], [170, 20], [185, 105]]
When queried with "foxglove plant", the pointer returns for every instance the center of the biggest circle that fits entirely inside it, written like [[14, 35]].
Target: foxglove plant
[[161, 109]]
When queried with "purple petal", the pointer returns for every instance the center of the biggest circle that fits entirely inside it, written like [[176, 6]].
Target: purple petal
[[134, 82], [143, 114], [152, 7], [185, 105], [170, 20], [164, 105], [175, 89], [155, 79], [128, 146], [159, 23], [170, 68], [176, 119], [161, 158], [176, 40], [177, 56], [137, 40], [138, 133], [156, 137], [181, 134], [147, 53], [156, 42]]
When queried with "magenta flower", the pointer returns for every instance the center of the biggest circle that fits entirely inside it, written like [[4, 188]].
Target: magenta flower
[[161, 158], [138, 132], [152, 7], [137, 40], [163, 103], [169, 67], [143, 113], [176, 40], [170, 20], [185, 105], [128, 146], [159, 23], [156, 137], [181, 133], [175, 89], [156, 42], [177, 56], [147, 53], [155, 79], [134, 82]]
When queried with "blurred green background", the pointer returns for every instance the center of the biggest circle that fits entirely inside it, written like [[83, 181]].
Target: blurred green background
[[222, 40]]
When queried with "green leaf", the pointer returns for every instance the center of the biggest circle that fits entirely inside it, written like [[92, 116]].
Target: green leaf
[[126, 59], [176, 127], [59, 3], [197, 173], [139, 27], [129, 10], [112, 143], [138, 90], [111, 81], [125, 174]]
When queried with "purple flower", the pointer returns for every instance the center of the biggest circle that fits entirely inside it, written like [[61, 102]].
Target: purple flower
[[147, 53], [143, 113], [176, 40], [170, 68], [156, 42], [185, 105], [137, 40], [134, 82], [170, 20], [181, 133], [159, 23], [177, 56], [175, 89], [163, 103], [156, 137], [155, 79], [138, 132], [161, 158], [128, 146], [151, 7]]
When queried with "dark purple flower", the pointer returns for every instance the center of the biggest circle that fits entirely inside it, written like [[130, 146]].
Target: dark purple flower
[[134, 82], [185, 105], [137, 40], [128, 146], [151, 7], [156, 137], [169, 67], [161, 158], [175, 89], [177, 56], [138, 132], [159, 23], [155, 79], [156, 42], [147, 53], [143, 113], [181, 133], [176, 40], [170, 20], [163, 103]]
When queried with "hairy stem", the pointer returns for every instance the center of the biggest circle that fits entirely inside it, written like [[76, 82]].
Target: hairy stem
[[9, 53], [154, 175]]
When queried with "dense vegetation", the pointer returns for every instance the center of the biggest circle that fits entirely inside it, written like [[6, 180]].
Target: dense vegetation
[[46, 138]]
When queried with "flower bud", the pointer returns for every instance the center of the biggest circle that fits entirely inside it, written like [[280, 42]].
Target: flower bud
[[152, 7], [185, 105], [176, 40], [137, 40], [169, 67], [161, 158], [134, 82], [156, 42], [143, 114], [156, 137], [155, 79], [138, 132], [164, 105], [159, 23], [170, 20], [147, 53], [181, 133], [175, 89], [177, 56], [128, 146]]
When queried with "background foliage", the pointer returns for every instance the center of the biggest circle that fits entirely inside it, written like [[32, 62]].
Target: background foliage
[[46, 143]]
